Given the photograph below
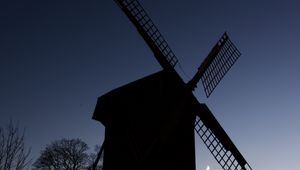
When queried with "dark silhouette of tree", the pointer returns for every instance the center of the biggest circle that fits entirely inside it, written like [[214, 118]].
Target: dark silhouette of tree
[[96, 158], [13, 154], [64, 154]]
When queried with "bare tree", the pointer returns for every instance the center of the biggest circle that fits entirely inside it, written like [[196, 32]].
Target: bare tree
[[96, 158], [13, 154], [64, 154]]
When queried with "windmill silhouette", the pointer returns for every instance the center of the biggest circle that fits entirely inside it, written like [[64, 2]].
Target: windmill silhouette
[[150, 123]]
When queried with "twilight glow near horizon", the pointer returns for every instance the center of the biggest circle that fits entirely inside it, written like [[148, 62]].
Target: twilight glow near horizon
[[58, 56]]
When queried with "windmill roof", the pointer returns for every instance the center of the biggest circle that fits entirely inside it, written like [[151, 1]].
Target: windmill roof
[[147, 96]]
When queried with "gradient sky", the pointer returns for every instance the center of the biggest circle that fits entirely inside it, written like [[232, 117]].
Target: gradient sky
[[58, 56]]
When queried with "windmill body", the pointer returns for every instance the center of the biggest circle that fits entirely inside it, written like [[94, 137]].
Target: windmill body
[[150, 123]]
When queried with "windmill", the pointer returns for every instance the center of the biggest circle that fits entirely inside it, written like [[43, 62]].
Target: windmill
[[151, 123]]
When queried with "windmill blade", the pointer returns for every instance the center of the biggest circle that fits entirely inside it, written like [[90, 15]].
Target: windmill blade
[[145, 26], [217, 141], [218, 62]]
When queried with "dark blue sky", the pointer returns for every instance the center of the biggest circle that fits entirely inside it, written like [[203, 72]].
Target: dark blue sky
[[57, 57]]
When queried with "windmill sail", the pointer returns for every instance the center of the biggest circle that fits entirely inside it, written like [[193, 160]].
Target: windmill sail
[[218, 142], [145, 26], [218, 62]]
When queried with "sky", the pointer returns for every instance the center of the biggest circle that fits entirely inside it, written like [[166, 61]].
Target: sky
[[58, 56]]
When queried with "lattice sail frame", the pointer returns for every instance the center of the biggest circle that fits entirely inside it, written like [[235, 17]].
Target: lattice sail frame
[[220, 64], [223, 156], [218, 142], [149, 32]]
